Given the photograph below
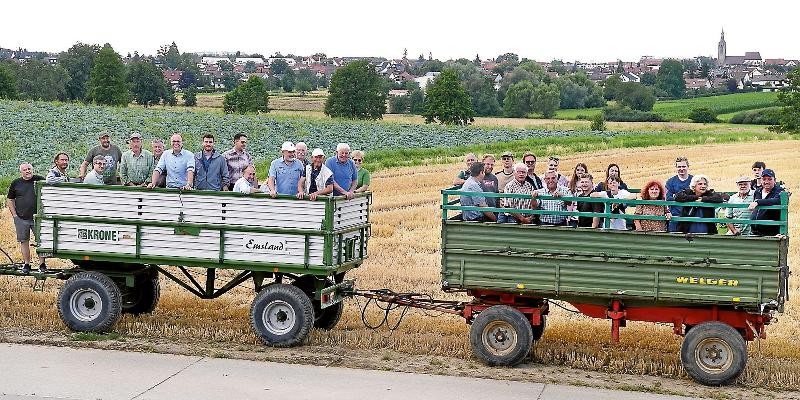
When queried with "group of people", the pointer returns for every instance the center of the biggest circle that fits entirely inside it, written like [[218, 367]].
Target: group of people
[[521, 178], [291, 174]]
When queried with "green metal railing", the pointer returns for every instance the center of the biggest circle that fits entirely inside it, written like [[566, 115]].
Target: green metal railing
[[783, 223]]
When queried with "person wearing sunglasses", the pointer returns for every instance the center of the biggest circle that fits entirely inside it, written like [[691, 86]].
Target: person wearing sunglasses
[[362, 183]]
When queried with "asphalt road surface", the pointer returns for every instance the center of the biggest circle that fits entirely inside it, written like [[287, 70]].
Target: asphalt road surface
[[40, 372]]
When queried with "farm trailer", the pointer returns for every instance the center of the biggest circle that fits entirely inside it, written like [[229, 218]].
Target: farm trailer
[[717, 291], [296, 252]]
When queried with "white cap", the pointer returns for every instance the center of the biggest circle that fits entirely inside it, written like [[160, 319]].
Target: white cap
[[317, 152], [287, 146]]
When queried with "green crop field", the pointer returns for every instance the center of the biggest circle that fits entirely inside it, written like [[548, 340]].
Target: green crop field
[[678, 110]]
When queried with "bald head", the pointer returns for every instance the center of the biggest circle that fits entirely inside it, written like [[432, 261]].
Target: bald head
[[177, 143]]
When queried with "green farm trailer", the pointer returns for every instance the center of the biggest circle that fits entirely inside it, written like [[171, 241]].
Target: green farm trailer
[[121, 239], [717, 291]]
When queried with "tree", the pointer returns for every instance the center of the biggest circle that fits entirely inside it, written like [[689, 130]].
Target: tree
[[170, 55], [690, 66], [648, 79], [399, 104], [510, 57], [8, 85], [147, 83], [225, 65], [416, 101], [545, 99], [447, 102], [250, 96], [107, 83], [611, 87], [278, 67], [287, 81], [356, 91], [702, 114], [78, 62], [250, 67], [572, 95], [517, 102], [190, 96], [188, 78], [230, 80], [479, 87], [40, 80], [732, 85], [789, 98], [636, 96], [670, 78]]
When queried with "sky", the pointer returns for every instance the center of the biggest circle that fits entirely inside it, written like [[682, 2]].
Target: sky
[[568, 30]]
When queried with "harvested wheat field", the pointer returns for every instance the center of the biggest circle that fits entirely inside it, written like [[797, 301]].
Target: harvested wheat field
[[404, 256]]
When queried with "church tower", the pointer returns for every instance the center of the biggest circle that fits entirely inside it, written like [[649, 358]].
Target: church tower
[[721, 50]]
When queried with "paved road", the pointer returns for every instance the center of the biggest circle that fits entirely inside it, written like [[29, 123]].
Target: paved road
[[41, 372]]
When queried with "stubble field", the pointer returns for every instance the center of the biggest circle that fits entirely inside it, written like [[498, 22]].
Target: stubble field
[[404, 256]]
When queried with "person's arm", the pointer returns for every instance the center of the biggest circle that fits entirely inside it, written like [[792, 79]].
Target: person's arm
[[189, 174], [150, 167], [459, 179], [226, 178], [488, 214], [732, 229], [271, 185], [162, 165], [636, 222], [684, 197], [123, 172], [82, 171], [365, 184], [301, 184], [12, 207]]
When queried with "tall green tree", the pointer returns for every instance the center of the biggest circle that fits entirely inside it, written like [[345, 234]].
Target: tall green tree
[[545, 99], [670, 78], [8, 84], [250, 96], [517, 102], [789, 98], [480, 89], [636, 96], [417, 101], [278, 67], [356, 91], [40, 80], [447, 102], [78, 62], [170, 55], [107, 83], [147, 84], [190, 96], [648, 79]]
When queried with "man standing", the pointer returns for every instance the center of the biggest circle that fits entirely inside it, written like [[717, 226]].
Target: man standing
[[319, 178], [530, 161], [137, 164], [552, 188], [158, 150], [21, 202], [518, 185], [462, 176], [211, 169], [489, 183], [473, 184], [58, 173], [768, 195], [584, 189], [286, 173], [238, 158], [744, 196], [95, 176], [507, 174], [676, 184], [301, 151], [345, 173], [110, 152], [177, 164]]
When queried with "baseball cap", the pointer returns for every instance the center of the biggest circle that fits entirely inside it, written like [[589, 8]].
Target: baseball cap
[[135, 135], [768, 172], [287, 146], [317, 152], [507, 154], [103, 133], [743, 179]]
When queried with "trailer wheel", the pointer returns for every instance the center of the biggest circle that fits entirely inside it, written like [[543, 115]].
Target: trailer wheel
[[282, 315], [90, 302], [713, 353], [538, 331], [143, 297], [501, 335], [327, 318]]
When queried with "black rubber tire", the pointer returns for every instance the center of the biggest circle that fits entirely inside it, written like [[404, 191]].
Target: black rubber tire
[[282, 315], [538, 331], [713, 353], [90, 302], [323, 319], [143, 297], [328, 318], [501, 335]]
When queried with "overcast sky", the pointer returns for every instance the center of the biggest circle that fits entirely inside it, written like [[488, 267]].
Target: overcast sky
[[540, 30]]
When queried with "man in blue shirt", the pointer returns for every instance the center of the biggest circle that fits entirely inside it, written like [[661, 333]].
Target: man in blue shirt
[[211, 169], [178, 164], [286, 174], [345, 174], [677, 184], [473, 184]]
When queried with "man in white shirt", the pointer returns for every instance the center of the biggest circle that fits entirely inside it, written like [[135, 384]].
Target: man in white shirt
[[243, 184]]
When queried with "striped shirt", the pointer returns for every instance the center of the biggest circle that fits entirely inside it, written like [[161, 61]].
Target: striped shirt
[[137, 170], [237, 162], [519, 188]]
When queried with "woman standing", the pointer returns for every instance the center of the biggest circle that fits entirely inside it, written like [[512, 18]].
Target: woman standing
[[362, 184], [579, 170], [698, 192], [653, 190], [614, 192], [612, 170]]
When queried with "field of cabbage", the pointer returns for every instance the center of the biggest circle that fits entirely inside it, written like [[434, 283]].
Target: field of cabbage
[[35, 131]]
